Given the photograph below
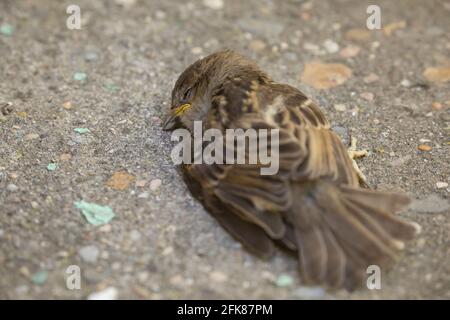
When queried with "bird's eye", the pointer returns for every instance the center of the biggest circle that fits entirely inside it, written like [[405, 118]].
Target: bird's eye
[[187, 95]]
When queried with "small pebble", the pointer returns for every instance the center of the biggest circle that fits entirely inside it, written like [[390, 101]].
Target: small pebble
[[284, 46], [176, 280], [31, 136], [126, 3], [213, 4], [424, 147], [91, 56], [311, 47], [257, 45], [12, 187], [340, 107], [143, 195], [437, 106], [141, 183], [309, 293], [441, 185], [105, 228], [155, 184], [160, 15], [65, 156], [109, 293], [369, 96], [340, 131], [24, 271], [89, 254], [67, 105], [197, 50], [405, 83], [23, 289], [284, 280], [218, 276], [331, 46], [135, 235], [350, 51]]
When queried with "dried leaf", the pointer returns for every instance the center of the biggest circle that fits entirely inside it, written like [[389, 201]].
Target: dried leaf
[[391, 27], [358, 34], [424, 147], [120, 180], [438, 75], [95, 214], [325, 76]]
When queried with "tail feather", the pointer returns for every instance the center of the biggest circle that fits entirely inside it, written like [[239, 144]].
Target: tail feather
[[340, 231]]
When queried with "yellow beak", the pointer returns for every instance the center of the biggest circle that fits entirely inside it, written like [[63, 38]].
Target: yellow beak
[[173, 116]]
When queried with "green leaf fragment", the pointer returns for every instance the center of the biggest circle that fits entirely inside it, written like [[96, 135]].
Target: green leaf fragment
[[6, 29], [81, 130], [52, 166], [284, 280], [79, 76], [95, 214], [39, 277]]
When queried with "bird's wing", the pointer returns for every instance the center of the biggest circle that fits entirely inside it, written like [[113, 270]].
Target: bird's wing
[[312, 204], [237, 195]]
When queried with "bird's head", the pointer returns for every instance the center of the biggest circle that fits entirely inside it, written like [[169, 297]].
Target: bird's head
[[191, 96]]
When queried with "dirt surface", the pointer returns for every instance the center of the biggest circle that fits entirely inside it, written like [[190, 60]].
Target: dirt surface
[[162, 243]]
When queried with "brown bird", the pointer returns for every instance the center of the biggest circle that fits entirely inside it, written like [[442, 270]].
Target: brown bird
[[315, 205]]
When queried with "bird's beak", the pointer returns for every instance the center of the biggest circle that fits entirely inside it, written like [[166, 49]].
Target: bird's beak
[[173, 118]]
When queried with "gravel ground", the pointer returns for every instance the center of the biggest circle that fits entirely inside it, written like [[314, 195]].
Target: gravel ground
[[162, 243]]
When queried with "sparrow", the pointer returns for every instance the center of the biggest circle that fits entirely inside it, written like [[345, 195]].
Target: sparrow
[[315, 206]]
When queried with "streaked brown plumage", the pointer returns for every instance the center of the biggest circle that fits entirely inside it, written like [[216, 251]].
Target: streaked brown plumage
[[314, 205]]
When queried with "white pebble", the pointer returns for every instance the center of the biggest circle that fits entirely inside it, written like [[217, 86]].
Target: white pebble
[[441, 185], [340, 107], [155, 184], [405, 83], [12, 187], [197, 50], [144, 195], [109, 293], [331, 46], [89, 253], [213, 4], [218, 276], [135, 235]]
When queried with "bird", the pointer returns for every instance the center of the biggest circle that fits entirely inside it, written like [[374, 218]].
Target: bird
[[316, 206]]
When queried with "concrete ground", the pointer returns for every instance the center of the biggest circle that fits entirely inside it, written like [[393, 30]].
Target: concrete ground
[[114, 78]]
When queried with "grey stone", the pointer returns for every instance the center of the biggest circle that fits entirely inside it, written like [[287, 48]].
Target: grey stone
[[12, 187], [89, 254]]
